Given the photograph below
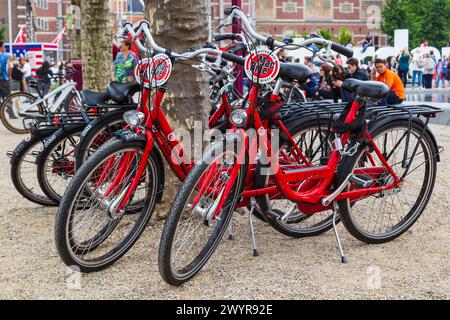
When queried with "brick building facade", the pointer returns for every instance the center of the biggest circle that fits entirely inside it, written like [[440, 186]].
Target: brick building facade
[[288, 17]]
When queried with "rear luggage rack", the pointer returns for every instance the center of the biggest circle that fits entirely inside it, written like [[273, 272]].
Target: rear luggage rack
[[58, 120], [373, 112]]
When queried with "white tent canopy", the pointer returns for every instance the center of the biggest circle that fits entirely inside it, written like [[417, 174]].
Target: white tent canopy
[[423, 50]]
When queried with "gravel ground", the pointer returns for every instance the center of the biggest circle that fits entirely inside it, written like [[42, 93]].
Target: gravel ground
[[416, 265]]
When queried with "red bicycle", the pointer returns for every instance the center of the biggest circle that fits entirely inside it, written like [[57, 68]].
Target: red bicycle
[[379, 181], [111, 198]]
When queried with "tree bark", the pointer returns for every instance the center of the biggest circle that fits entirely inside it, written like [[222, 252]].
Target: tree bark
[[180, 25], [96, 44], [75, 34]]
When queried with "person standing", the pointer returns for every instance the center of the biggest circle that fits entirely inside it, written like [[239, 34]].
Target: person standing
[[442, 72], [392, 80], [437, 75], [403, 66], [447, 75], [417, 69], [27, 73], [125, 62], [16, 82], [429, 68], [5, 71], [44, 77]]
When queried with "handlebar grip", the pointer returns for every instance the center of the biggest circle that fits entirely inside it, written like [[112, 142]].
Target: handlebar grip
[[233, 58], [228, 36], [342, 50], [228, 11], [238, 47]]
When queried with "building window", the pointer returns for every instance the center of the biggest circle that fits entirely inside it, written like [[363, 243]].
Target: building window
[[318, 9], [265, 9], [290, 7], [135, 6], [42, 4], [42, 24], [346, 7]]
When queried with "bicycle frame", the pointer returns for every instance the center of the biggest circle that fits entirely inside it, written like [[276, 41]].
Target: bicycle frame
[[64, 91], [322, 176], [156, 128]]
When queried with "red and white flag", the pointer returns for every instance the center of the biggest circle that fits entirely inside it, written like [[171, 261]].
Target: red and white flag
[[21, 36], [59, 36]]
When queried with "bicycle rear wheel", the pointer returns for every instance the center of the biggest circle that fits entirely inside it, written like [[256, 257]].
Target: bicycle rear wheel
[[96, 134], [312, 137], [194, 228], [386, 215]]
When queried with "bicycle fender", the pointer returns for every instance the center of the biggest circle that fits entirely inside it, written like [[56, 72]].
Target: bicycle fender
[[129, 136]]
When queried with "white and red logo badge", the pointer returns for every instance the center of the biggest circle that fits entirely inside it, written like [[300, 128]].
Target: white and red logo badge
[[155, 70], [262, 66]]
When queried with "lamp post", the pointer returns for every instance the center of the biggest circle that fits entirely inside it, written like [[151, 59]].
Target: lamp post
[[236, 28], [10, 26]]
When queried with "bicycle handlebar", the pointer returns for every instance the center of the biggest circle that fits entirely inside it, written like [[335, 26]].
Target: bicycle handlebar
[[236, 12], [227, 36]]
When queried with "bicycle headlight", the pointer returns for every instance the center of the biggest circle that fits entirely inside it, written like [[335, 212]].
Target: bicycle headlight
[[134, 118], [238, 117]]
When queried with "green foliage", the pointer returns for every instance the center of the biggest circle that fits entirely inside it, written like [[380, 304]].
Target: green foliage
[[425, 19], [3, 33], [345, 36], [326, 34]]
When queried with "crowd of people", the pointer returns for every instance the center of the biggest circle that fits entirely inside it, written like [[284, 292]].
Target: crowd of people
[[427, 71], [16, 74], [327, 82]]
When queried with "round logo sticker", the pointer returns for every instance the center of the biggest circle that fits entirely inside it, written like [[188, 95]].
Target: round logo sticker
[[262, 66], [155, 70]]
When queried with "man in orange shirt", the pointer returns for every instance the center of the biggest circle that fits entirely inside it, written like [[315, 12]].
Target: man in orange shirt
[[392, 80]]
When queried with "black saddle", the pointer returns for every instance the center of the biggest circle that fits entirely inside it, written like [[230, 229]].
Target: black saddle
[[91, 98], [369, 89], [119, 93], [297, 72], [122, 92]]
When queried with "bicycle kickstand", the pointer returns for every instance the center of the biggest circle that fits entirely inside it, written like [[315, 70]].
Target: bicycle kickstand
[[252, 230], [336, 234]]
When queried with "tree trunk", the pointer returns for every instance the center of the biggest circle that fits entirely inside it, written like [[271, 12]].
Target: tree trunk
[[75, 32], [180, 25], [96, 44]]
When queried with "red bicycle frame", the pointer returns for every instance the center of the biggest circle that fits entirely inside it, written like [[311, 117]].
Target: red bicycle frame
[[321, 176]]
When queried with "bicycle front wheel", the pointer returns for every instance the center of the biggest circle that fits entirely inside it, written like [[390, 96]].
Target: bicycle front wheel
[[89, 233], [195, 224]]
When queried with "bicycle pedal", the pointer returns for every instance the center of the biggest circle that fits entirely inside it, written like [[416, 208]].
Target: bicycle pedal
[[361, 180]]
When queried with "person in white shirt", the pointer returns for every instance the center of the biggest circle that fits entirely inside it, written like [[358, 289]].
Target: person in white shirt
[[26, 69], [417, 69]]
